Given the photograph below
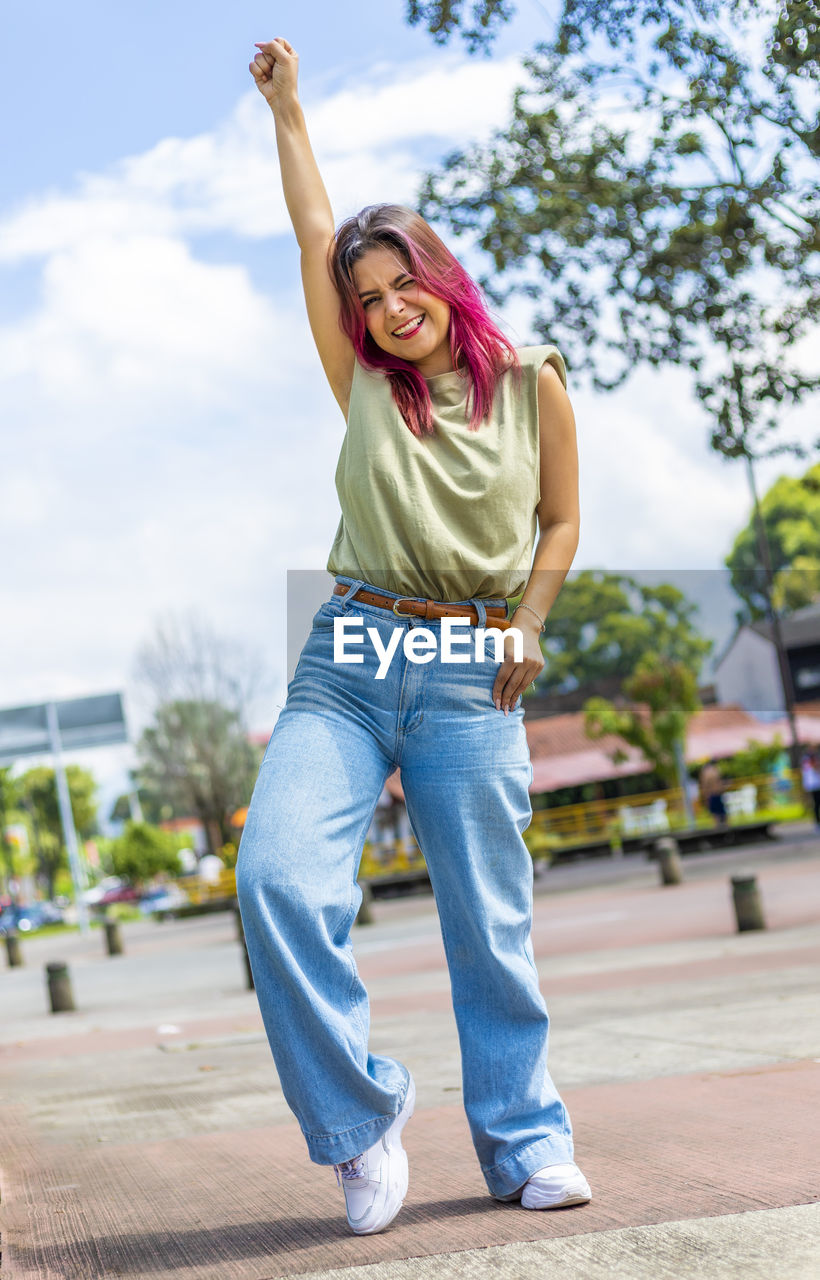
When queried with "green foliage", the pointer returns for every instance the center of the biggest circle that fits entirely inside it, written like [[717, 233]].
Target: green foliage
[[654, 194], [37, 797], [443, 17], [8, 802], [602, 624], [791, 516], [38, 788], [121, 808], [663, 695], [755, 759], [142, 851], [196, 759]]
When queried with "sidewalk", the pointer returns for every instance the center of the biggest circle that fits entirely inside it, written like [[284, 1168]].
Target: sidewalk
[[145, 1135]]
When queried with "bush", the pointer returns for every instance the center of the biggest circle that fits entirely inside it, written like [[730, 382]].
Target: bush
[[142, 851], [757, 758]]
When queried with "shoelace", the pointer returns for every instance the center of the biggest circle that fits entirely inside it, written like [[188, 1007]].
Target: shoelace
[[349, 1169]]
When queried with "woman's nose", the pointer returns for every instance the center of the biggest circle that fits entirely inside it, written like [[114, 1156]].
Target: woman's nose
[[395, 304]]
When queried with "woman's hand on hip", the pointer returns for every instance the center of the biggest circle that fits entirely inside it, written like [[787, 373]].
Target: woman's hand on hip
[[275, 69], [512, 677]]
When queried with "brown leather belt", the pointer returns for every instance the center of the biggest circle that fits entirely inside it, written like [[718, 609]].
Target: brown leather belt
[[496, 614]]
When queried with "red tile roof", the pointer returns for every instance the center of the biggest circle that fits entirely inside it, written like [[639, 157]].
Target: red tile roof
[[563, 756]]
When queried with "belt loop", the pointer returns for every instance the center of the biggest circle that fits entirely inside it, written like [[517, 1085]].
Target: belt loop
[[481, 611], [351, 591]]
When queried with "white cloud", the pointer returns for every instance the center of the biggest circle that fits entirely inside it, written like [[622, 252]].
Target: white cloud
[[128, 327], [366, 140], [654, 497]]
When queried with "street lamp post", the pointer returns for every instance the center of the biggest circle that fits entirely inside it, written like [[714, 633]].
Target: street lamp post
[[773, 616]]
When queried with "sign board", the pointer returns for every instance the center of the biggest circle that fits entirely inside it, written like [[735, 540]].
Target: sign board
[[97, 721]]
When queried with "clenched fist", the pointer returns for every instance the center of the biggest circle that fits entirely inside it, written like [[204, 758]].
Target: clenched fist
[[275, 69]]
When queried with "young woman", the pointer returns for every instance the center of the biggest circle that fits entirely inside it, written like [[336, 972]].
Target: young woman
[[457, 447]]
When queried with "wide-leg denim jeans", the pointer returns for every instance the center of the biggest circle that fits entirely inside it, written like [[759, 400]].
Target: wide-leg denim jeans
[[465, 771]]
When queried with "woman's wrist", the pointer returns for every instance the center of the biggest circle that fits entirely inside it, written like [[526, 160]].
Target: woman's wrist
[[527, 619], [287, 111]]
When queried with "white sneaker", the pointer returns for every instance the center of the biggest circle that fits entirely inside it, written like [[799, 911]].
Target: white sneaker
[[556, 1187], [375, 1182]]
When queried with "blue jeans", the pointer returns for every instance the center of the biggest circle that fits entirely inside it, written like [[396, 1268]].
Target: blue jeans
[[465, 770]]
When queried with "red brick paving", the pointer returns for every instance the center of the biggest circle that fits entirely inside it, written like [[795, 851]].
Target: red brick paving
[[250, 1204]]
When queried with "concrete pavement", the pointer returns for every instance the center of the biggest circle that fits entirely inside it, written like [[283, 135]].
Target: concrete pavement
[[145, 1134]]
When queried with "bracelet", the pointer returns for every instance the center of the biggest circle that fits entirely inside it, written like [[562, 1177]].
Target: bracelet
[[532, 611]]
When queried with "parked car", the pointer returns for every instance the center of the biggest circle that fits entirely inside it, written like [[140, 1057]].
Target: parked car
[[163, 900], [92, 896], [124, 893], [27, 918]]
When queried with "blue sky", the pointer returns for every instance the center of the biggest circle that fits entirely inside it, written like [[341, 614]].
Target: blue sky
[[168, 441]]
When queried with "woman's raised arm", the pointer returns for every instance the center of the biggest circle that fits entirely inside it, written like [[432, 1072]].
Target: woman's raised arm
[[275, 70]]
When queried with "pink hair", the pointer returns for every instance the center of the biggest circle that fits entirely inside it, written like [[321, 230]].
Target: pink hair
[[478, 347]]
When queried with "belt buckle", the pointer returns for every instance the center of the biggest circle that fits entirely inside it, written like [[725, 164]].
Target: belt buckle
[[397, 612]]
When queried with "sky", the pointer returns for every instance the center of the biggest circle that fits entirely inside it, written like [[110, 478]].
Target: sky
[[168, 444]]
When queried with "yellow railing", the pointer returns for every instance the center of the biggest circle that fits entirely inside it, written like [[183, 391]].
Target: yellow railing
[[385, 858], [200, 891], [610, 821], [571, 825]]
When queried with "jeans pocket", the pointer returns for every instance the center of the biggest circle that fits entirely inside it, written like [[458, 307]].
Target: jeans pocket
[[324, 617]]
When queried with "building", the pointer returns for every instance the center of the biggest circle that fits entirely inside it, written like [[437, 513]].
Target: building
[[563, 756], [748, 674]]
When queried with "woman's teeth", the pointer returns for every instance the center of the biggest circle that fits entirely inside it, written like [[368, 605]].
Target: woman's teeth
[[407, 329]]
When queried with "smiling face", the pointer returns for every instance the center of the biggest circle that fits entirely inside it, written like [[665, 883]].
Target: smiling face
[[401, 317]]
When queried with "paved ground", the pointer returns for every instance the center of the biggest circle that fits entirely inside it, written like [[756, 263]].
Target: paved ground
[[145, 1134]]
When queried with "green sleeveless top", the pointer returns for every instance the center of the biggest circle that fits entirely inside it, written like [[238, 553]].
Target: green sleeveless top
[[452, 515]]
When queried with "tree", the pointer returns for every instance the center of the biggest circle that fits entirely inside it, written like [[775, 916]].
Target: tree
[[602, 624], [8, 802], [443, 17], [791, 516], [143, 851], [654, 194], [37, 792], [187, 660], [754, 759], [663, 696], [195, 757]]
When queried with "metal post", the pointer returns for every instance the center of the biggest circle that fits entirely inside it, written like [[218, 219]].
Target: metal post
[[747, 903], [60, 993], [240, 934], [15, 955], [365, 912], [669, 860], [683, 783], [774, 617], [78, 879], [113, 937]]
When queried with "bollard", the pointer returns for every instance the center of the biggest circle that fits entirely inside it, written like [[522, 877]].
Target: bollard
[[248, 969], [59, 987], [365, 912], [668, 855], [747, 903], [13, 951], [113, 937], [240, 934]]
